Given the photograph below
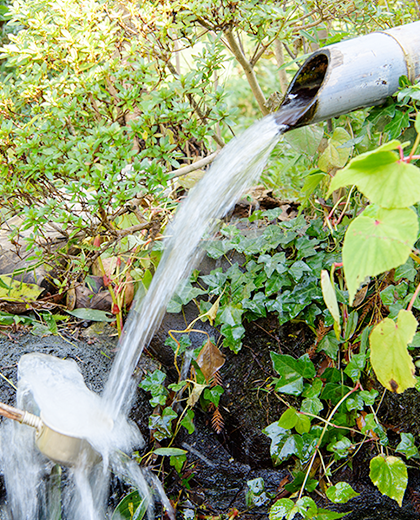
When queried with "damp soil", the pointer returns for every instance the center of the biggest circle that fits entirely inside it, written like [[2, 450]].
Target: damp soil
[[219, 466]]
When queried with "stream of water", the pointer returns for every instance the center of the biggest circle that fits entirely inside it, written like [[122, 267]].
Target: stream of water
[[56, 387]]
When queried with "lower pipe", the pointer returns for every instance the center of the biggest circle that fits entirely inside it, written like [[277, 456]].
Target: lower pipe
[[352, 74]]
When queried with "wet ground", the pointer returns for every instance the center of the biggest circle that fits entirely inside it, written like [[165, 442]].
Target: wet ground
[[218, 466]]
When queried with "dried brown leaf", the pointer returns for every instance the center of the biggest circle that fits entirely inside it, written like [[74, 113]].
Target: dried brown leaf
[[210, 360]]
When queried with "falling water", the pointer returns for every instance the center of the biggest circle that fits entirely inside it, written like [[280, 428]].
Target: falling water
[[54, 386], [236, 168]]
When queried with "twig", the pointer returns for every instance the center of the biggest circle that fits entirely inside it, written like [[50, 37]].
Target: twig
[[194, 166], [249, 71], [278, 53], [8, 380]]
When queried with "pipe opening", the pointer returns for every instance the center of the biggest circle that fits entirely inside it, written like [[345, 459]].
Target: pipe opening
[[299, 103]]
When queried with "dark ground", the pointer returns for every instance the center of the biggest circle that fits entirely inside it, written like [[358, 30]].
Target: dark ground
[[219, 465]]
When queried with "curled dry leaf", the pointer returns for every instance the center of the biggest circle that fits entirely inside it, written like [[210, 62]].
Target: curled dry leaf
[[210, 360]]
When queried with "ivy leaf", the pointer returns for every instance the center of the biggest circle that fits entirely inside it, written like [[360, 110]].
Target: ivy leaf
[[376, 241], [291, 371], [397, 124], [292, 419], [355, 366], [369, 397], [184, 294], [162, 424], [297, 270], [389, 356], [213, 394], [280, 509], [188, 421], [256, 496], [297, 482], [311, 405], [407, 446], [389, 474], [341, 447], [380, 176], [177, 461], [329, 344], [233, 335], [273, 263], [288, 419], [341, 493]]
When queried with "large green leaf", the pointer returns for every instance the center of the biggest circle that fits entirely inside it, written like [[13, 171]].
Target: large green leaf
[[389, 356], [381, 177], [376, 241], [389, 474]]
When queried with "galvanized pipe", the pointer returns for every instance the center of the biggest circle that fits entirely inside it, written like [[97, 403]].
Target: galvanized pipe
[[353, 74]]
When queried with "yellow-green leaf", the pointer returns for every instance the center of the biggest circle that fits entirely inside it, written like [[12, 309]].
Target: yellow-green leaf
[[190, 179], [376, 241], [15, 291], [389, 474], [389, 356], [330, 299], [335, 155], [195, 394], [341, 493]]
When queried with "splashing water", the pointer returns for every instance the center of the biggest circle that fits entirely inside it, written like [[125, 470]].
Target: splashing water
[[56, 387]]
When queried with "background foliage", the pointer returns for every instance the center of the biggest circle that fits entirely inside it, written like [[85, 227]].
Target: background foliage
[[102, 103]]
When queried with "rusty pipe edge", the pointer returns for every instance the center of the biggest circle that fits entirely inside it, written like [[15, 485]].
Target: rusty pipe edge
[[356, 73]]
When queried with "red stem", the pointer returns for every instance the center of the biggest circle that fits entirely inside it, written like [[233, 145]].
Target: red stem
[[413, 299]]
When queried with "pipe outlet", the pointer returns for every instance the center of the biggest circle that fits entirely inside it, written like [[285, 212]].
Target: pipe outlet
[[354, 74]]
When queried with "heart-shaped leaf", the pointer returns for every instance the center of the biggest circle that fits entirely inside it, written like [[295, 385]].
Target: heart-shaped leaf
[[381, 177], [389, 356], [389, 474], [376, 241]]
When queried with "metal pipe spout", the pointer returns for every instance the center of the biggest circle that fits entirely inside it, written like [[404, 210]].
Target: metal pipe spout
[[63, 448], [352, 74]]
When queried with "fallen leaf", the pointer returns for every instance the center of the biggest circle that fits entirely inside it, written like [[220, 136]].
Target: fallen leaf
[[210, 360], [14, 291]]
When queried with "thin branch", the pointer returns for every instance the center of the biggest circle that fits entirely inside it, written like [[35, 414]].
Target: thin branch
[[289, 52], [129, 231], [278, 52], [194, 166], [249, 72]]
